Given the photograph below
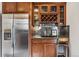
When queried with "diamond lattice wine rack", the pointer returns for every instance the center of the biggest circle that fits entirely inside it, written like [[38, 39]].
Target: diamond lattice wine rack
[[49, 18]]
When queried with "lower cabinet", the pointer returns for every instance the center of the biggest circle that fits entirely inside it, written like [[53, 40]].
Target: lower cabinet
[[49, 50], [43, 50], [37, 50]]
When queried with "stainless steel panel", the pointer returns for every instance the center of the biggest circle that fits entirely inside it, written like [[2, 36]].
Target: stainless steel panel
[[7, 49], [21, 27], [17, 25]]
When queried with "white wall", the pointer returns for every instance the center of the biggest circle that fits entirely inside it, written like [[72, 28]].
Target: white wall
[[73, 21]]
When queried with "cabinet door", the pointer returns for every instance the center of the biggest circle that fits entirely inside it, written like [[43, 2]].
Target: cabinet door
[[44, 9], [23, 7], [49, 50], [62, 14], [9, 7], [37, 50], [53, 8]]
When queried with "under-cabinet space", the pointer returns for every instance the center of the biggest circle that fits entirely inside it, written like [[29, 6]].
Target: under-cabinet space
[[62, 50]]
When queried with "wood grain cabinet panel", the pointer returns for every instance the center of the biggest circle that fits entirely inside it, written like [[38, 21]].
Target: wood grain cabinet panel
[[42, 48], [8, 7], [23, 7], [37, 50], [37, 41], [16, 7], [49, 50]]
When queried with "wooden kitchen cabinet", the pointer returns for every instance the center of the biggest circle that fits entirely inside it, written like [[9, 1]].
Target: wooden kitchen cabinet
[[37, 50], [49, 13], [8, 7], [43, 48], [49, 50], [23, 7], [15, 7], [44, 14]]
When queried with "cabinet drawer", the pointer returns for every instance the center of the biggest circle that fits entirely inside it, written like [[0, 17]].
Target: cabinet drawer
[[48, 41], [36, 41]]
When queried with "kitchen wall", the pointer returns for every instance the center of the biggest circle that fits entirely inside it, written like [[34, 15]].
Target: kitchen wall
[[73, 21]]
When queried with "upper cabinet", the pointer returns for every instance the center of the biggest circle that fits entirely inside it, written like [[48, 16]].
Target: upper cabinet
[[15, 7], [23, 7], [44, 8], [8, 7], [49, 13], [50, 8]]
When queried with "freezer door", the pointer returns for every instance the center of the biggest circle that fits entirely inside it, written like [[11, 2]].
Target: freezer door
[[7, 49]]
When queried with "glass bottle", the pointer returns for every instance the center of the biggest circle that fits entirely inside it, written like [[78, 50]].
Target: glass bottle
[[54, 30]]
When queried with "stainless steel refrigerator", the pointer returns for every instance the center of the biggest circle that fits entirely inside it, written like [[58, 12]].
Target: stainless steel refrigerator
[[17, 28]]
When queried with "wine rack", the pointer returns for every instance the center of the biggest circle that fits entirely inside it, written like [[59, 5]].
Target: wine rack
[[48, 18], [50, 13]]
